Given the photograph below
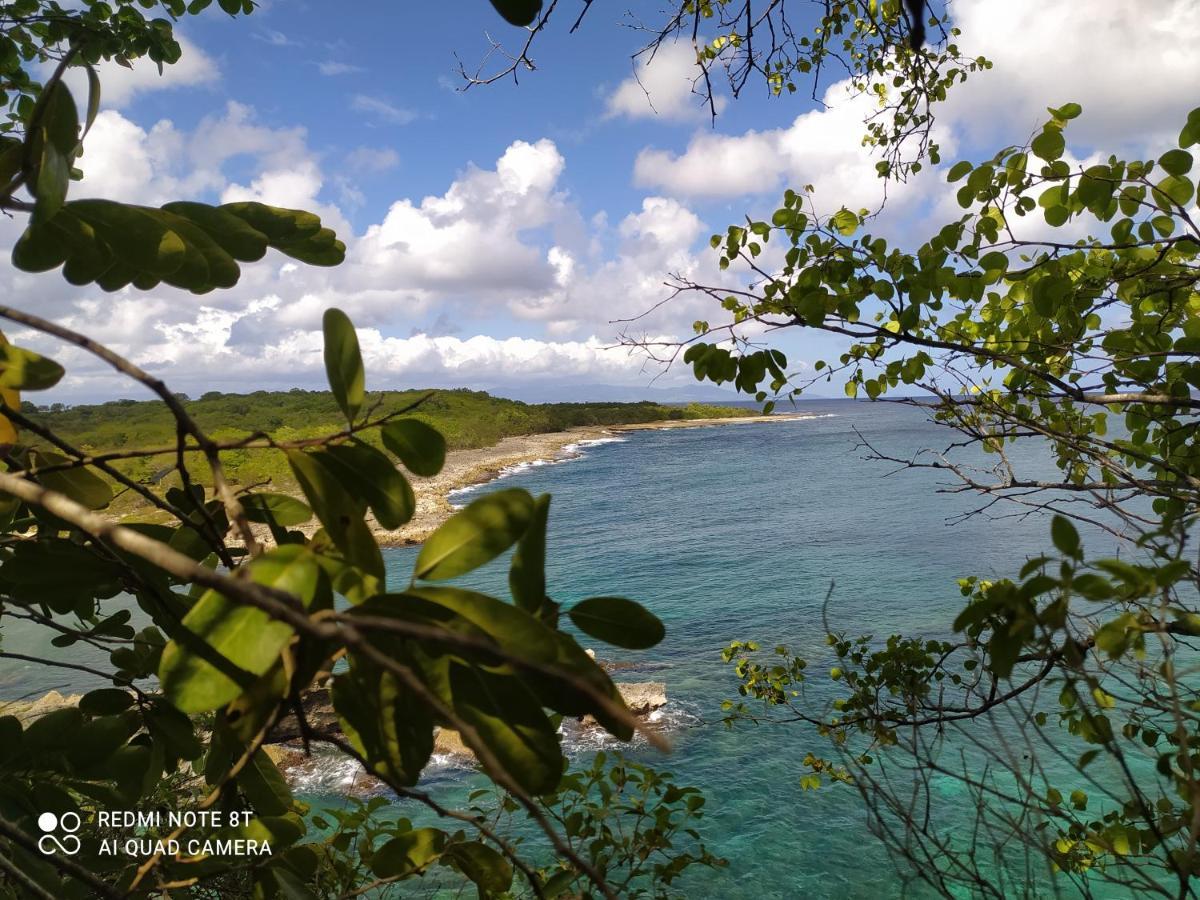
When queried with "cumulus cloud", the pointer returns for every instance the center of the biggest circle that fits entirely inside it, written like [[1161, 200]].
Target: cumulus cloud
[[1043, 53], [822, 147], [1123, 62], [662, 86], [504, 246], [201, 354], [470, 239], [163, 163]]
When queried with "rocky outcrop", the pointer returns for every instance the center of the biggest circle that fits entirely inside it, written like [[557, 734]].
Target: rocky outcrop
[[642, 698], [28, 711]]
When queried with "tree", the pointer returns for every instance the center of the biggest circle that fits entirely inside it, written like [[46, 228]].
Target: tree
[[1064, 708], [242, 605], [877, 44], [1065, 704]]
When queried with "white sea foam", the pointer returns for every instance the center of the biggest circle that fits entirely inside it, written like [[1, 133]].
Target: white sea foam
[[566, 453], [327, 773]]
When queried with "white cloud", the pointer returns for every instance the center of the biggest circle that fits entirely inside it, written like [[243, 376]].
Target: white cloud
[[1123, 65], [822, 147], [504, 246], [276, 38], [663, 86], [372, 159], [202, 353], [122, 159], [381, 109], [470, 239], [119, 85], [331, 67], [1126, 63]]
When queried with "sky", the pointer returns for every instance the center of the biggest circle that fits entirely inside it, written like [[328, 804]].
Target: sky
[[504, 237]]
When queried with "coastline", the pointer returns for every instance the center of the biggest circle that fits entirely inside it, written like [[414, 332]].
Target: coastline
[[465, 469], [472, 468]]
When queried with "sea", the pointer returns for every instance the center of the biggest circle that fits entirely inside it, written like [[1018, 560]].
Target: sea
[[764, 532]]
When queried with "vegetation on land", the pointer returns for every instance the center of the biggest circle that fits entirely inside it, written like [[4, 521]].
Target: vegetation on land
[[242, 625], [466, 420]]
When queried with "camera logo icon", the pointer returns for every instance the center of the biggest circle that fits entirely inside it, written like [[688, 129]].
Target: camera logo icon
[[50, 843]]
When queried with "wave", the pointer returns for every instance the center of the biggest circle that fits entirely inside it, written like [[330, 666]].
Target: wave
[[566, 453], [327, 773]]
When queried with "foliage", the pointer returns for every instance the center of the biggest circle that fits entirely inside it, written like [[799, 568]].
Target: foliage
[[244, 649], [1061, 308], [462, 419], [237, 626]]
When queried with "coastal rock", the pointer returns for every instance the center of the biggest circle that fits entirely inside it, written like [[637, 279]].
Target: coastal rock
[[27, 711], [451, 743], [285, 757], [643, 697], [318, 714]]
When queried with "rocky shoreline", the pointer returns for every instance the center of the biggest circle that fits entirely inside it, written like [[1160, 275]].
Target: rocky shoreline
[[285, 744]]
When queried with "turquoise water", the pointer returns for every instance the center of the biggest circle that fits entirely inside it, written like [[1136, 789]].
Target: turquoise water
[[738, 532]]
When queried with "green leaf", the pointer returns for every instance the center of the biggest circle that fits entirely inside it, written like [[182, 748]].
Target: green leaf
[[617, 621], [343, 362], [1175, 189], [508, 717], [1067, 111], [93, 104], [1064, 536], [384, 721], [845, 222], [373, 478], [518, 12], [475, 535], [232, 233], [277, 509], [136, 235], [53, 142], [264, 786], [514, 629], [958, 171], [25, 370], [1049, 145], [558, 883], [1176, 162], [79, 484], [106, 702], [420, 447], [340, 512], [527, 577], [408, 853], [486, 867], [50, 568], [39, 249], [196, 679]]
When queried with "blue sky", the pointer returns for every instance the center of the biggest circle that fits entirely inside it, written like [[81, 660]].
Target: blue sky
[[494, 235]]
